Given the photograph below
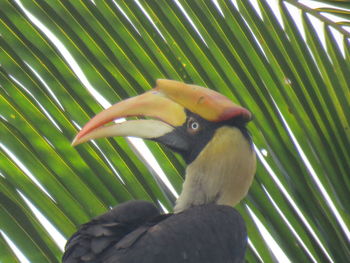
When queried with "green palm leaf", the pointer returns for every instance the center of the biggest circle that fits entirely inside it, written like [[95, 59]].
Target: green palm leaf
[[64, 61]]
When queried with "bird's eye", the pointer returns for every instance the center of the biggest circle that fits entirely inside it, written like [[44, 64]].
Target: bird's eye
[[193, 126]]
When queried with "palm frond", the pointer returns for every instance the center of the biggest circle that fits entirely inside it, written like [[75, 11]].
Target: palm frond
[[63, 61]]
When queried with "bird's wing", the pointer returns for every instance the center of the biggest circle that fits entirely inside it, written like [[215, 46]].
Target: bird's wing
[[206, 234], [135, 232], [96, 237]]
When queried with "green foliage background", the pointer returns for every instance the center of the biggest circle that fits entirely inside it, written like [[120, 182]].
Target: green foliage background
[[286, 80]]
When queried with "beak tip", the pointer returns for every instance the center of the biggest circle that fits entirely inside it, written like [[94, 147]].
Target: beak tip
[[75, 141]]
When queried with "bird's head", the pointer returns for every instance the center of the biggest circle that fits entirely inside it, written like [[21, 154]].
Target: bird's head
[[205, 127]]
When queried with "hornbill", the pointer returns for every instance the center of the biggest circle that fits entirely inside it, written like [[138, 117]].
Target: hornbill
[[209, 131]]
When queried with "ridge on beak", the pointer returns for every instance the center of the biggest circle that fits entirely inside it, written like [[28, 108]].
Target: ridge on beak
[[165, 106]]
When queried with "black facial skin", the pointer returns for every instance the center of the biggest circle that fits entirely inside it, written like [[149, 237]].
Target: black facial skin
[[190, 138]]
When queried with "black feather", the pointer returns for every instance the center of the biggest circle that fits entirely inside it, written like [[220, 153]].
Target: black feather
[[207, 233]]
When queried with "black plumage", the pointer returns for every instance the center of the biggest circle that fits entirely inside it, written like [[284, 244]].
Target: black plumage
[[135, 232], [209, 131]]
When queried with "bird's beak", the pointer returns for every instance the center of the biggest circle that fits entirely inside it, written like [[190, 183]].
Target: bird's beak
[[165, 105]]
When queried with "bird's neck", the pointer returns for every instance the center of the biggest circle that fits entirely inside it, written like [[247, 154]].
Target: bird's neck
[[222, 173]]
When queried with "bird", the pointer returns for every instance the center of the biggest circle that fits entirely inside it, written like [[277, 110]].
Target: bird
[[209, 131]]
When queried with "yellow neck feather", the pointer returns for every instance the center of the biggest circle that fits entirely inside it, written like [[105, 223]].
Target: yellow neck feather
[[222, 173]]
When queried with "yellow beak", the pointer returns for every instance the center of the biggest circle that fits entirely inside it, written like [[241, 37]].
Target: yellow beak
[[166, 105]]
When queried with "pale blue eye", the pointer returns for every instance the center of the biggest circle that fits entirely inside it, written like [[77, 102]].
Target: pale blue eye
[[194, 125]]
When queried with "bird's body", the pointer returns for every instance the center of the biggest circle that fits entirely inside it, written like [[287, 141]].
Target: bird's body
[[209, 131], [135, 232]]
